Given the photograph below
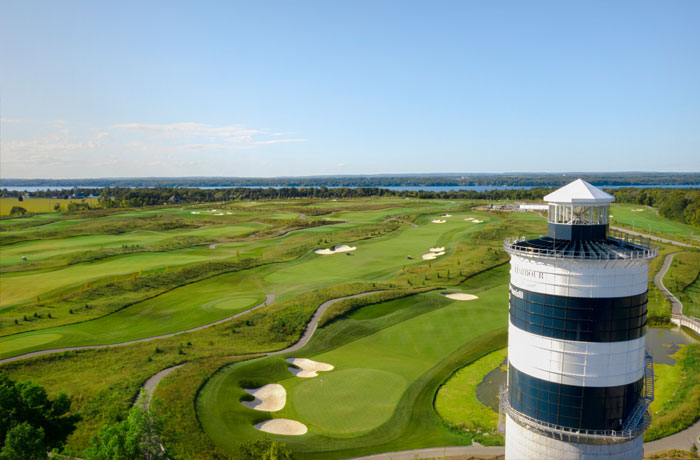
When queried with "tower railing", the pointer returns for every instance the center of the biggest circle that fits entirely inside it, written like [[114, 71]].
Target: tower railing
[[511, 246], [568, 434]]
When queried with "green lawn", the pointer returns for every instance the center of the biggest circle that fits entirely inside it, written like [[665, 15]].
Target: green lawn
[[176, 310], [184, 307], [645, 218], [456, 400], [42, 249], [377, 377]]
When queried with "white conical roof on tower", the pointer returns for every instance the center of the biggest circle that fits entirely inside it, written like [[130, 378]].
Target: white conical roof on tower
[[581, 192]]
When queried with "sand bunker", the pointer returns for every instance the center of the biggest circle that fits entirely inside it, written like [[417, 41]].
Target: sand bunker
[[438, 221], [282, 426], [271, 397], [446, 215], [219, 214], [336, 249], [460, 296], [468, 218], [432, 255], [637, 210], [476, 221], [442, 249], [307, 367]]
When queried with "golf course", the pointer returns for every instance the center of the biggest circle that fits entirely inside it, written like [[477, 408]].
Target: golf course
[[341, 327]]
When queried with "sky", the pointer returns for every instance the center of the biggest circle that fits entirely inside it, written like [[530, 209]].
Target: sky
[[289, 88]]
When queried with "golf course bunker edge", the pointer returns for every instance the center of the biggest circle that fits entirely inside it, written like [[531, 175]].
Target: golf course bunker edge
[[307, 368], [270, 398]]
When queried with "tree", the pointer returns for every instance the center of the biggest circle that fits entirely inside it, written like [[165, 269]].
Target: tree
[[135, 437], [27, 413], [17, 211], [24, 442], [265, 449]]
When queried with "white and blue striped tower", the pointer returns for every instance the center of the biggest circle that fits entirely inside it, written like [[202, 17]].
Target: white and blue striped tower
[[579, 379]]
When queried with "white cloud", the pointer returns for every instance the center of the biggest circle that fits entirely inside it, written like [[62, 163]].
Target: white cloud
[[59, 148]]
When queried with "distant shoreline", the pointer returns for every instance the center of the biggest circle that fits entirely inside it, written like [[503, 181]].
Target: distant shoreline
[[434, 182]]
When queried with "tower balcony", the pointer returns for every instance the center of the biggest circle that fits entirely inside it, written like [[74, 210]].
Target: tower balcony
[[572, 435], [618, 246]]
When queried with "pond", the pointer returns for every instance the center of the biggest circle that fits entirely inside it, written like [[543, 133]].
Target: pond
[[661, 344]]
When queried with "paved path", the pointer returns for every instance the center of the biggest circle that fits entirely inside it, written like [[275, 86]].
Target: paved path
[[437, 452], [676, 305], [268, 299], [653, 238], [150, 385], [313, 324]]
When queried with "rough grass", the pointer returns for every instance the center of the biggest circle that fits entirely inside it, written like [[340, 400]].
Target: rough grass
[[683, 280], [456, 401], [39, 205], [682, 409]]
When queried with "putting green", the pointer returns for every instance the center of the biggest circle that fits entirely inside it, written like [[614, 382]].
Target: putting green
[[24, 342], [339, 390]]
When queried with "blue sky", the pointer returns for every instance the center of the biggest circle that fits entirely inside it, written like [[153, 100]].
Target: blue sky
[[257, 88]]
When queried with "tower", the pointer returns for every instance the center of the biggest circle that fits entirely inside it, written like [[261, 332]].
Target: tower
[[579, 378]]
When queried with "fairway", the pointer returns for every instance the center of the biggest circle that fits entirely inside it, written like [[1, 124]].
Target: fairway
[[179, 309], [645, 218], [207, 301]]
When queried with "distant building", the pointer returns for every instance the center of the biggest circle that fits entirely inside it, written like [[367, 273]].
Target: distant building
[[579, 378], [533, 207]]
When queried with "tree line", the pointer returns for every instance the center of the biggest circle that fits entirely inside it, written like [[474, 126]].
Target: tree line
[[418, 180], [681, 205]]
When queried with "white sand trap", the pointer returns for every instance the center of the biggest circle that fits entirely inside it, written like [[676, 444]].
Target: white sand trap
[[468, 218], [460, 296], [336, 249], [271, 397], [446, 215], [438, 221], [194, 212], [219, 214], [229, 213], [213, 210], [437, 249], [282, 426], [638, 210], [432, 255], [476, 221], [308, 368]]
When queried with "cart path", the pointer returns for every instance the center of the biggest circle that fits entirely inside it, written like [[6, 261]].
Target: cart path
[[150, 385], [268, 299], [676, 305]]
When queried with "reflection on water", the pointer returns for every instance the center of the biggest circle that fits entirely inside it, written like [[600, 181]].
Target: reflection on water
[[487, 390], [661, 344]]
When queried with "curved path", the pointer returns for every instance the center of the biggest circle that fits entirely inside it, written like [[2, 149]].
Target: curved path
[[268, 299], [676, 305], [150, 385]]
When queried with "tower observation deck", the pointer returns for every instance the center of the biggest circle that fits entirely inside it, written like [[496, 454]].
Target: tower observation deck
[[579, 379]]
